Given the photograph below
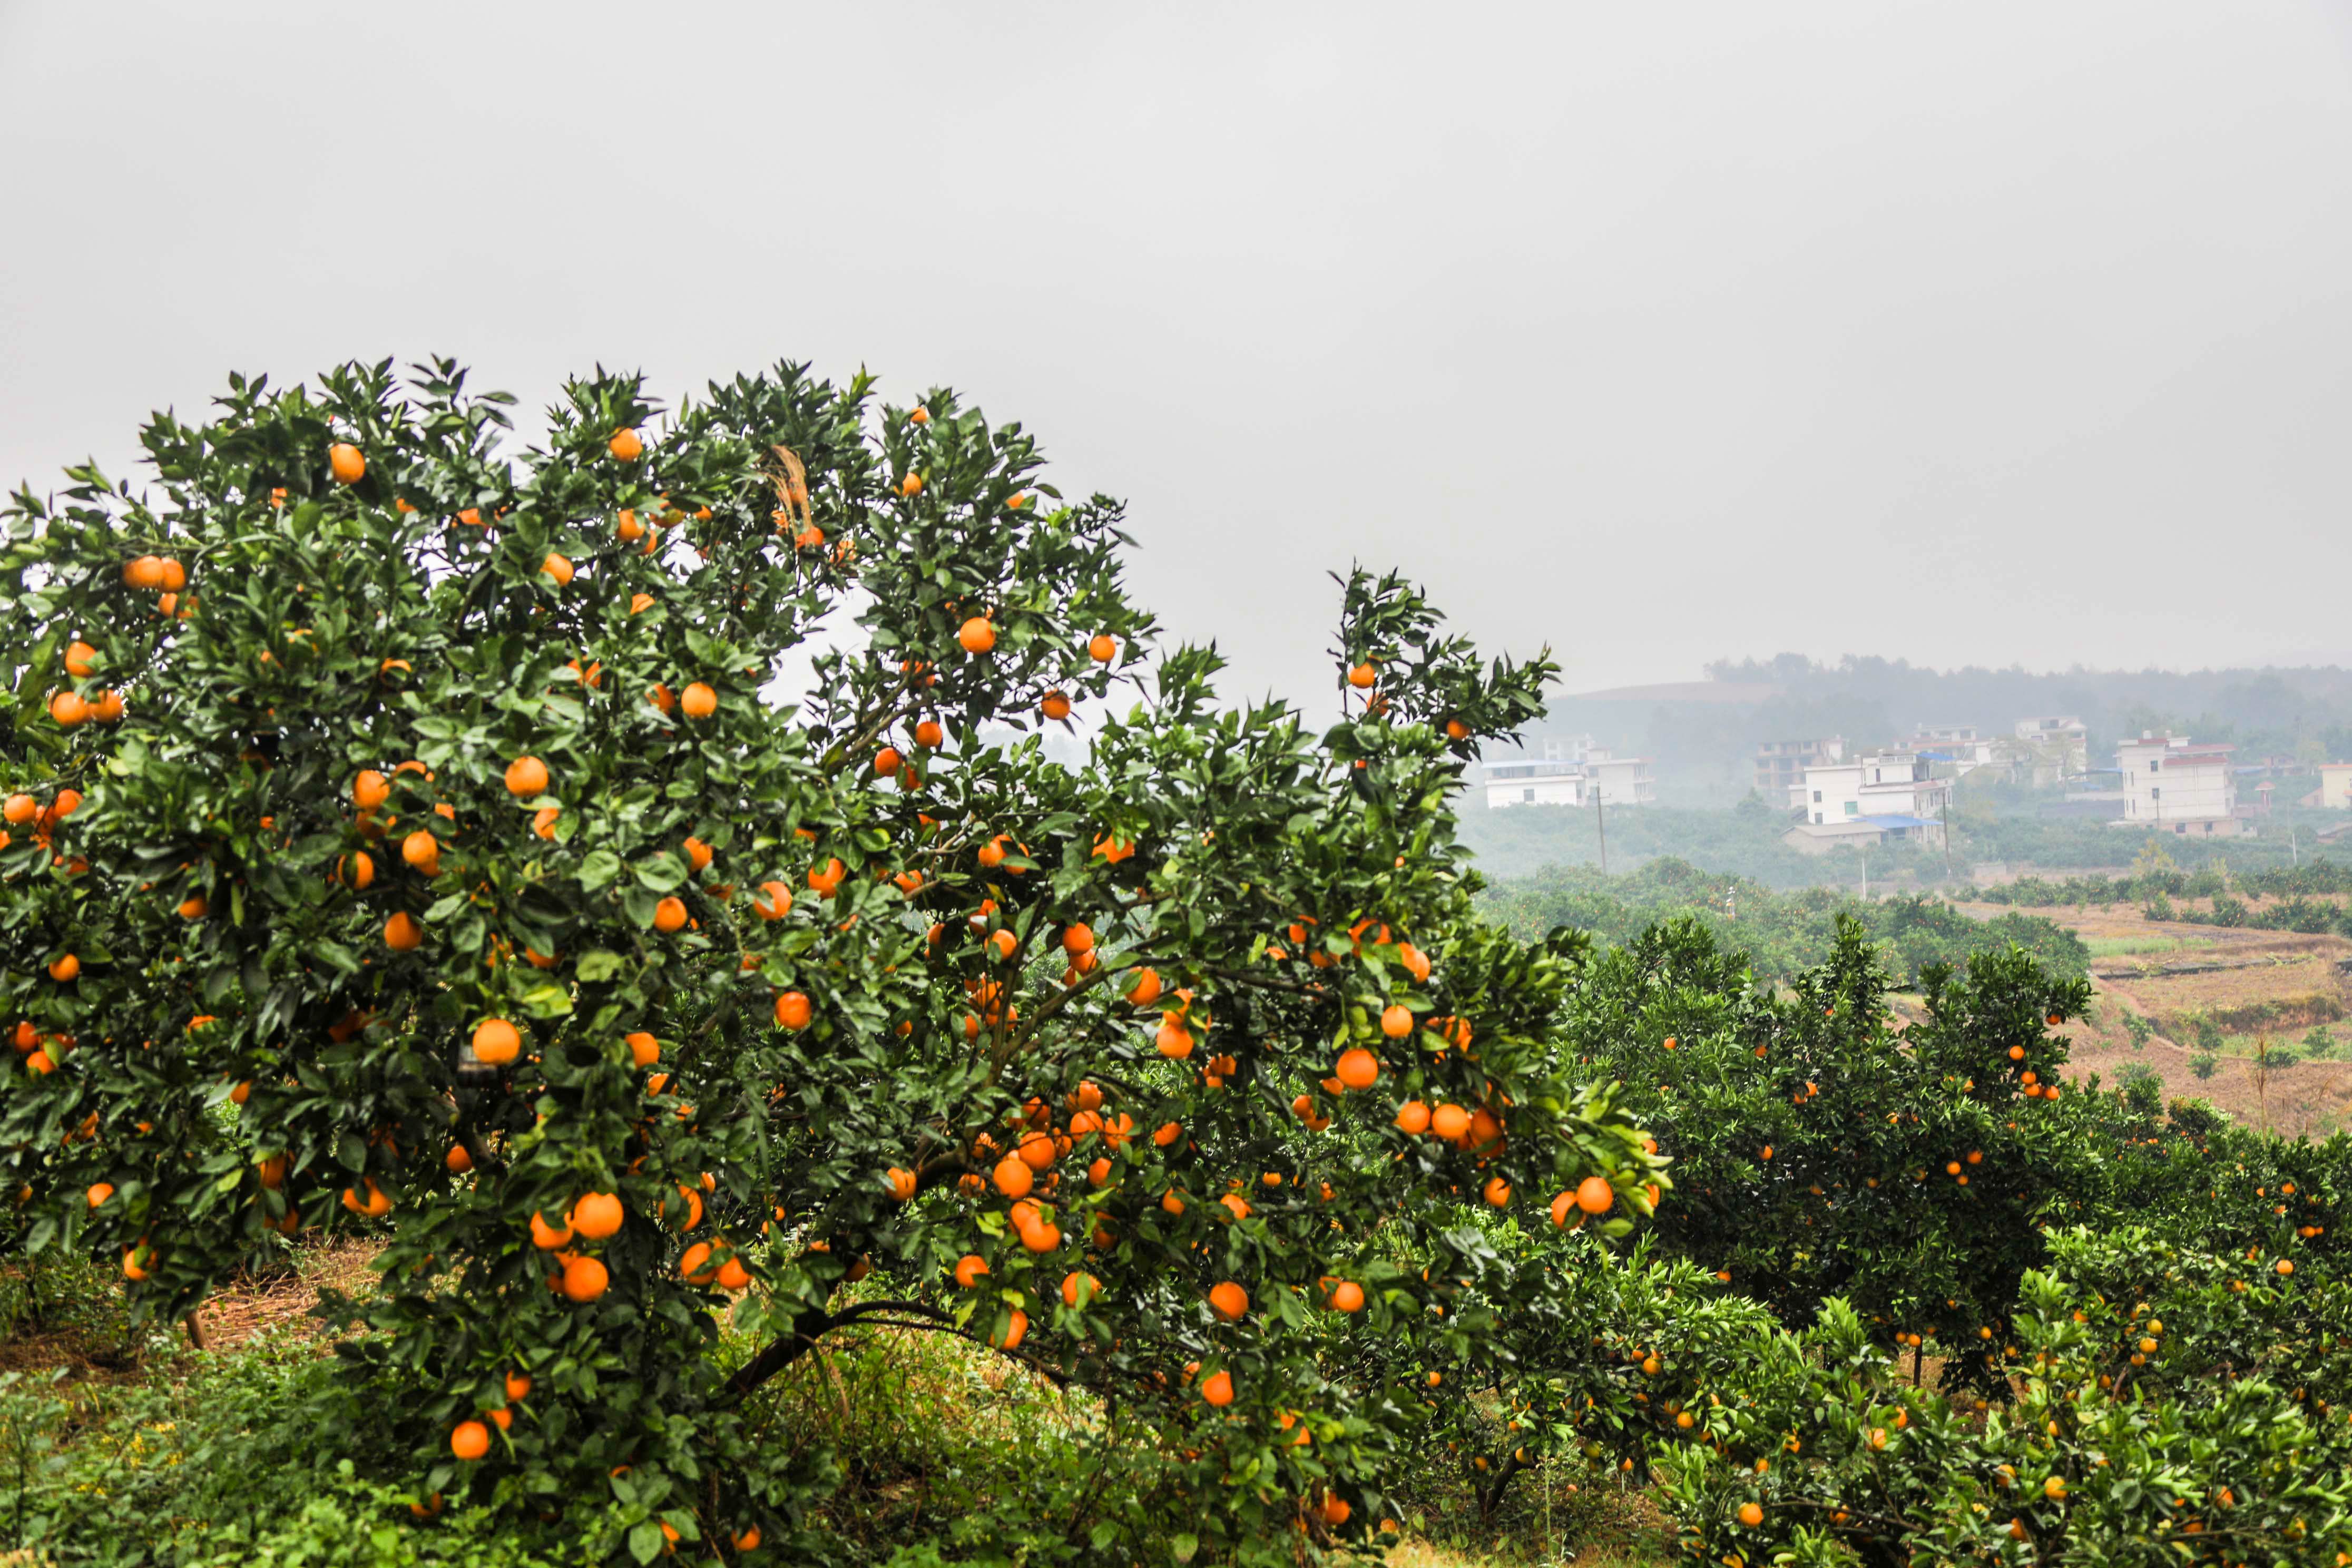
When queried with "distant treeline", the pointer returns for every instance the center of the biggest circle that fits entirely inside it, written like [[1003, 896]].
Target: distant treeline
[[2303, 895], [1783, 933]]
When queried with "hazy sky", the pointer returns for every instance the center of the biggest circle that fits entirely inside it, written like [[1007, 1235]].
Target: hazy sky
[[1961, 333]]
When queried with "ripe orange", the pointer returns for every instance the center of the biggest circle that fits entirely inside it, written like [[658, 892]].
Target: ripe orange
[[1362, 675], [1146, 990], [697, 701], [517, 1387], [558, 567], [1013, 1176], [99, 1193], [774, 901], [584, 1279], [422, 851], [968, 1269], [1228, 1300], [470, 1440], [627, 445], [912, 485], [1751, 1514], [1017, 1329], [1497, 1192], [1396, 1022], [1412, 1117], [669, 915], [1347, 1297], [192, 907], [1173, 1040], [1055, 706], [1450, 1122], [597, 1216], [347, 463], [457, 1160], [1079, 938], [20, 809], [643, 1050], [1358, 1069], [1218, 1389], [64, 967], [68, 709], [1595, 1196], [1102, 647], [146, 572], [543, 821], [977, 635], [1073, 1282], [903, 1183], [526, 776], [792, 1011], [78, 657], [928, 735], [496, 1042]]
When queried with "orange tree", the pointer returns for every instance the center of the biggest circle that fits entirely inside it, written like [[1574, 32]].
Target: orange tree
[[1826, 1147], [623, 876]]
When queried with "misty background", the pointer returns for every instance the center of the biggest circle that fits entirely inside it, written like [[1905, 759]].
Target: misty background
[[2002, 334]]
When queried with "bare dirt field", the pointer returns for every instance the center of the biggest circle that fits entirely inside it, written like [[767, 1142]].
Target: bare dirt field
[[2256, 988]]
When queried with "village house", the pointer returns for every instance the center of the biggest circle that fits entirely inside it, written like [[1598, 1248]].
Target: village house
[[1572, 772], [2048, 749], [2173, 783], [1889, 794], [2335, 787]]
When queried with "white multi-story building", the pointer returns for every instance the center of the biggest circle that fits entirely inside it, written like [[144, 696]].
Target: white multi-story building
[[1572, 772], [2335, 787], [1544, 781], [1620, 781], [1876, 797], [1881, 784], [2174, 783]]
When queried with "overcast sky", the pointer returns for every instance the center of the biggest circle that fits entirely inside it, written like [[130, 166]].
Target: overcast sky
[[1965, 333]]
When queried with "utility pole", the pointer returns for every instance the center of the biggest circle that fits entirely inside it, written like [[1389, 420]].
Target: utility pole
[[1865, 872], [1600, 822]]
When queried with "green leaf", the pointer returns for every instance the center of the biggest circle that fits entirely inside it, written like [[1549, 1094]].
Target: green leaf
[[547, 1001], [599, 869], [597, 965], [645, 1541]]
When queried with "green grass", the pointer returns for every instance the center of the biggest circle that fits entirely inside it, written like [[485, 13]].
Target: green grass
[[2129, 946], [123, 1447]]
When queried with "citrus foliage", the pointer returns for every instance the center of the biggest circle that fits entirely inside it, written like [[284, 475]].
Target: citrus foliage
[[1809, 1446], [624, 875]]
